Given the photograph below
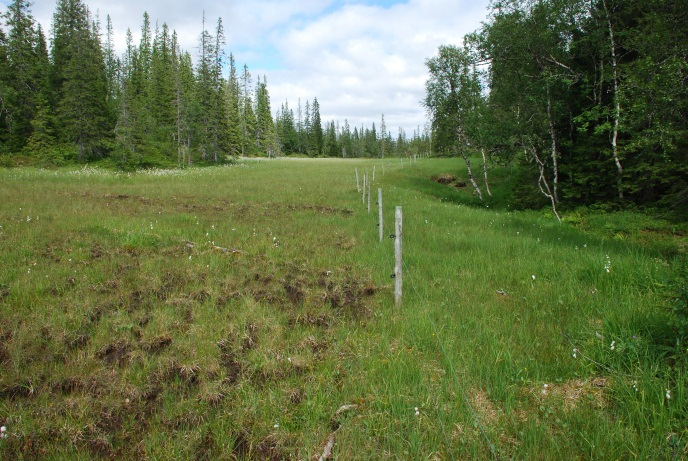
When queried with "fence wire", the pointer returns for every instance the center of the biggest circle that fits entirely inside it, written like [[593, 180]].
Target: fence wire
[[410, 280]]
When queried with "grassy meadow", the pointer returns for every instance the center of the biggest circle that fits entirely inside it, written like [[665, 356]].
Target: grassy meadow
[[247, 312]]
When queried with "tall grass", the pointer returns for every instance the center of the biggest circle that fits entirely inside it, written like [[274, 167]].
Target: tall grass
[[229, 312]]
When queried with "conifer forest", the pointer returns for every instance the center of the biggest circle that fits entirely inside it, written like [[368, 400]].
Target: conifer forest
[[587, 98]]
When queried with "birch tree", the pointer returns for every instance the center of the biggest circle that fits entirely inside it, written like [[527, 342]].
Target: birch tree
[[451, 94]]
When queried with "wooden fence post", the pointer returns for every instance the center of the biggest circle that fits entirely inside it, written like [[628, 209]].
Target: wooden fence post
[[358, 185], [397, 256], [379, 212], [373, 172], [365, 178], [368, 197]]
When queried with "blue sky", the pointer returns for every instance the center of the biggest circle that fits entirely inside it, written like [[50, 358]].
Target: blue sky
[[360, 58]]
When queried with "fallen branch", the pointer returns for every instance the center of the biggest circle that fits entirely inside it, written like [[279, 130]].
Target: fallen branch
[[327, 451]]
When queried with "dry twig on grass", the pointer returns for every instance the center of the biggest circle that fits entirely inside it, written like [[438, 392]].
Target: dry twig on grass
[[327, 451]]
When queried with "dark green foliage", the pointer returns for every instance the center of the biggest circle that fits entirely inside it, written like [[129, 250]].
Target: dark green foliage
[[265, 128], [575, 85], [316, 131], [41, 142], [233, 95], [5, 117], [79, 81], [286, 129], [23, 65]]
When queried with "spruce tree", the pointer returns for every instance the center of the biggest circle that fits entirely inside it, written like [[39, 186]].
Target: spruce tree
[[219, 115], [316, 129], [286, 129], [126, 118], [21, 93], [112, 68], [187, 110], [248, 116], [5, 77], [233, 97], [41, 142], [383, 137], [80, 80], [163, 89], [265, 129]]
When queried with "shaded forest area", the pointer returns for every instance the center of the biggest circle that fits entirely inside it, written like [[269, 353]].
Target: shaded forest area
[[77, 101], [589, 98]]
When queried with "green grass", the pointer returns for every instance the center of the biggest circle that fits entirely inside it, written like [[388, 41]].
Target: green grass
[[229, 312]]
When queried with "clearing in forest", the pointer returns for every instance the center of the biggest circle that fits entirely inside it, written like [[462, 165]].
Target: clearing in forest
[[246, 312]]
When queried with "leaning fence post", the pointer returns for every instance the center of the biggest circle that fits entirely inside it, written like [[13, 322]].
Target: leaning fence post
[[358, 186], [369, 197], [379, 212], [397, 256]]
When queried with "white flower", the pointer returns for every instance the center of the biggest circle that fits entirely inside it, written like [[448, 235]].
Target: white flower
[[276, 425], [668, 394], [544, 389], [533, 277], [612, 346], [417, 412], [635, 385], [575, 352], [3, 429], [607, 263]]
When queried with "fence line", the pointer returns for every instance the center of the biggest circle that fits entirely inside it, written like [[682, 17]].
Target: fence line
[[443, 351]]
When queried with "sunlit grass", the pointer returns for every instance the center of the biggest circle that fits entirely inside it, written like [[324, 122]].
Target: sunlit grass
[[229, 312]]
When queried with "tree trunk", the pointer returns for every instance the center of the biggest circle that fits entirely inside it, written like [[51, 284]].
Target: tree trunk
[[470, 176], [543, 184], [487, 185], [555, 154], [617, 103]]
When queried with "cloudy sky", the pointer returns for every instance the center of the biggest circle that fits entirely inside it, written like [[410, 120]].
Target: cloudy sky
[[360, 58]]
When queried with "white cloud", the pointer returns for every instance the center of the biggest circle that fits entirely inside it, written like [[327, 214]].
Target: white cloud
[[360, 60]]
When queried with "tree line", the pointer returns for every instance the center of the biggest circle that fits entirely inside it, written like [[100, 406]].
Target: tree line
[[302, 132], [78, 101], [589, 98]]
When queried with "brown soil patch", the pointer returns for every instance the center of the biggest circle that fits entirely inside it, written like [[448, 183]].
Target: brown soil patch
[[312, 319], [444, 178], [486, 408], [449, 179], [574, 392], [320, 209], [4, 293], [158, 343], [115, 353]]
